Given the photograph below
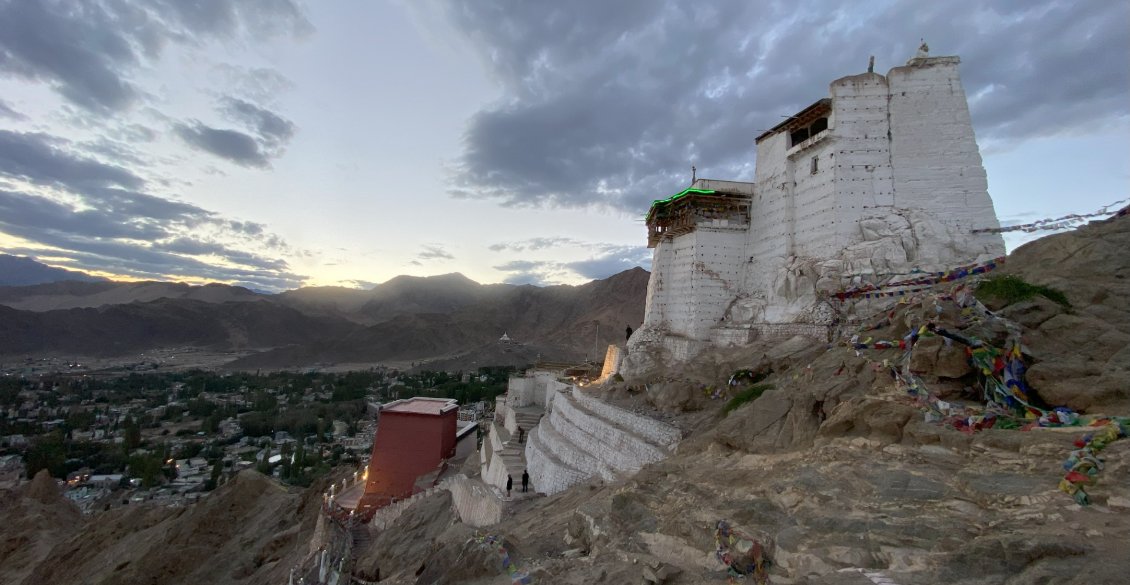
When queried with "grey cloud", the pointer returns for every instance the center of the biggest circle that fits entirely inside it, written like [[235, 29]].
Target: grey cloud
[[43, 159], [233, 145], [609, 259], [522, 278], [224, 18], [107, 240], [259, 83], [118, 227], [115, 150], [360, 284], [87, 50], [195, 247], [7, 111], [271, 127], [434, 252], [80, 52], [29, 216], [521, 265], [533, 244], [609, 104], [134, 133], [535, 272], [613, 261]]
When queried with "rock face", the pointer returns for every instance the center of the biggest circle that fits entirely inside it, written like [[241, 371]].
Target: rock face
[[1082, 353]]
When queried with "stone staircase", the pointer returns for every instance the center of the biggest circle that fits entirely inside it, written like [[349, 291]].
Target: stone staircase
[[583, 437], [508, 456], [361, 536], [527, 420]]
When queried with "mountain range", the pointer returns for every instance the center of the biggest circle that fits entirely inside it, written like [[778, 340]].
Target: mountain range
[[406, 319]]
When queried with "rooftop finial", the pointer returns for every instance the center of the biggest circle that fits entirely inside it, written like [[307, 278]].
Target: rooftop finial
[[923, 50], [871, 64], [694, 174]]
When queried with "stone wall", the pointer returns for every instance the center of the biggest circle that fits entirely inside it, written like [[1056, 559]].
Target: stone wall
[[612, 359], [476, 503], [530, 390], [937, 165], [384, 517], [546, 455], [694, 277], [648, 428], [788, 330], [595, 439], [863, 155]]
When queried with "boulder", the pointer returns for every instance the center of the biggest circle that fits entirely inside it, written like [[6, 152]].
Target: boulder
[[952, 362], [876, 419], [924, 356], [675, 396]]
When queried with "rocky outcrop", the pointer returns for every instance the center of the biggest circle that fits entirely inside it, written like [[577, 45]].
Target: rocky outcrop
[[1081, 353]]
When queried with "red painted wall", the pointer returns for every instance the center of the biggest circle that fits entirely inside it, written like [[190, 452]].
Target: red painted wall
[[407, 446]]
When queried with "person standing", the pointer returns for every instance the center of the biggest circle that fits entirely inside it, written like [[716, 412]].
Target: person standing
[[628, 333], [525, 480], [509, 484], [521, 434]]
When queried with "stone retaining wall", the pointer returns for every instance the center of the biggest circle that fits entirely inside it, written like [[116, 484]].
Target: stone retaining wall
[[613, 446], [649, 428], [477, 504], [547, 474], [384, 517]]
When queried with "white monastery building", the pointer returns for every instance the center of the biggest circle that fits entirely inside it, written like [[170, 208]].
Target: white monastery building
[[881, 177]]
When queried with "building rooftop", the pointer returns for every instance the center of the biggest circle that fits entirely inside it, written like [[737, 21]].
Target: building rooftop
[[421, 405], [802, 118]]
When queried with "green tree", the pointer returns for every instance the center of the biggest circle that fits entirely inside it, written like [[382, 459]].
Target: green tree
[[132, 435], [50, 453]]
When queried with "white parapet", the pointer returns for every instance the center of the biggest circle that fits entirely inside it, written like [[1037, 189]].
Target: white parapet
[[584, 437]]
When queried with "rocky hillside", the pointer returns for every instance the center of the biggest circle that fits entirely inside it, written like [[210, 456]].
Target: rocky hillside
[[123, 329], [245, 533]]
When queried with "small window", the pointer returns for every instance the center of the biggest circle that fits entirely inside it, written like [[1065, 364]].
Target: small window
[[815, 164], [820, 125], [798, 136]]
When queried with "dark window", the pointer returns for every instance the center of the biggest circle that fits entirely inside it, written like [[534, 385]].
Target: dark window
[[820, 125], [801, 134], [815, 164]]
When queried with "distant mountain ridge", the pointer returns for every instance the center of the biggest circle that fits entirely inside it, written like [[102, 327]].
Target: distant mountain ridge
[[22, 271], [73, 294], [406, 318]]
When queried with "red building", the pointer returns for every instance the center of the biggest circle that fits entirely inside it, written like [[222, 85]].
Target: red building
[[414, 436]]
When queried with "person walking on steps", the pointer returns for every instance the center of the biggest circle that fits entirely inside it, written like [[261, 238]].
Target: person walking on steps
[[521, 434], [509, 484], [525, 480]]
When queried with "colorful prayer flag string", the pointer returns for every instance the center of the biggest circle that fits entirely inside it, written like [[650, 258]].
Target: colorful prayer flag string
[[1067, 221], [921, 283]]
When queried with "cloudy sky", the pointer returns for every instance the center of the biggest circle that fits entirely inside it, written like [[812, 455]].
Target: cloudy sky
[[280, 143]]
